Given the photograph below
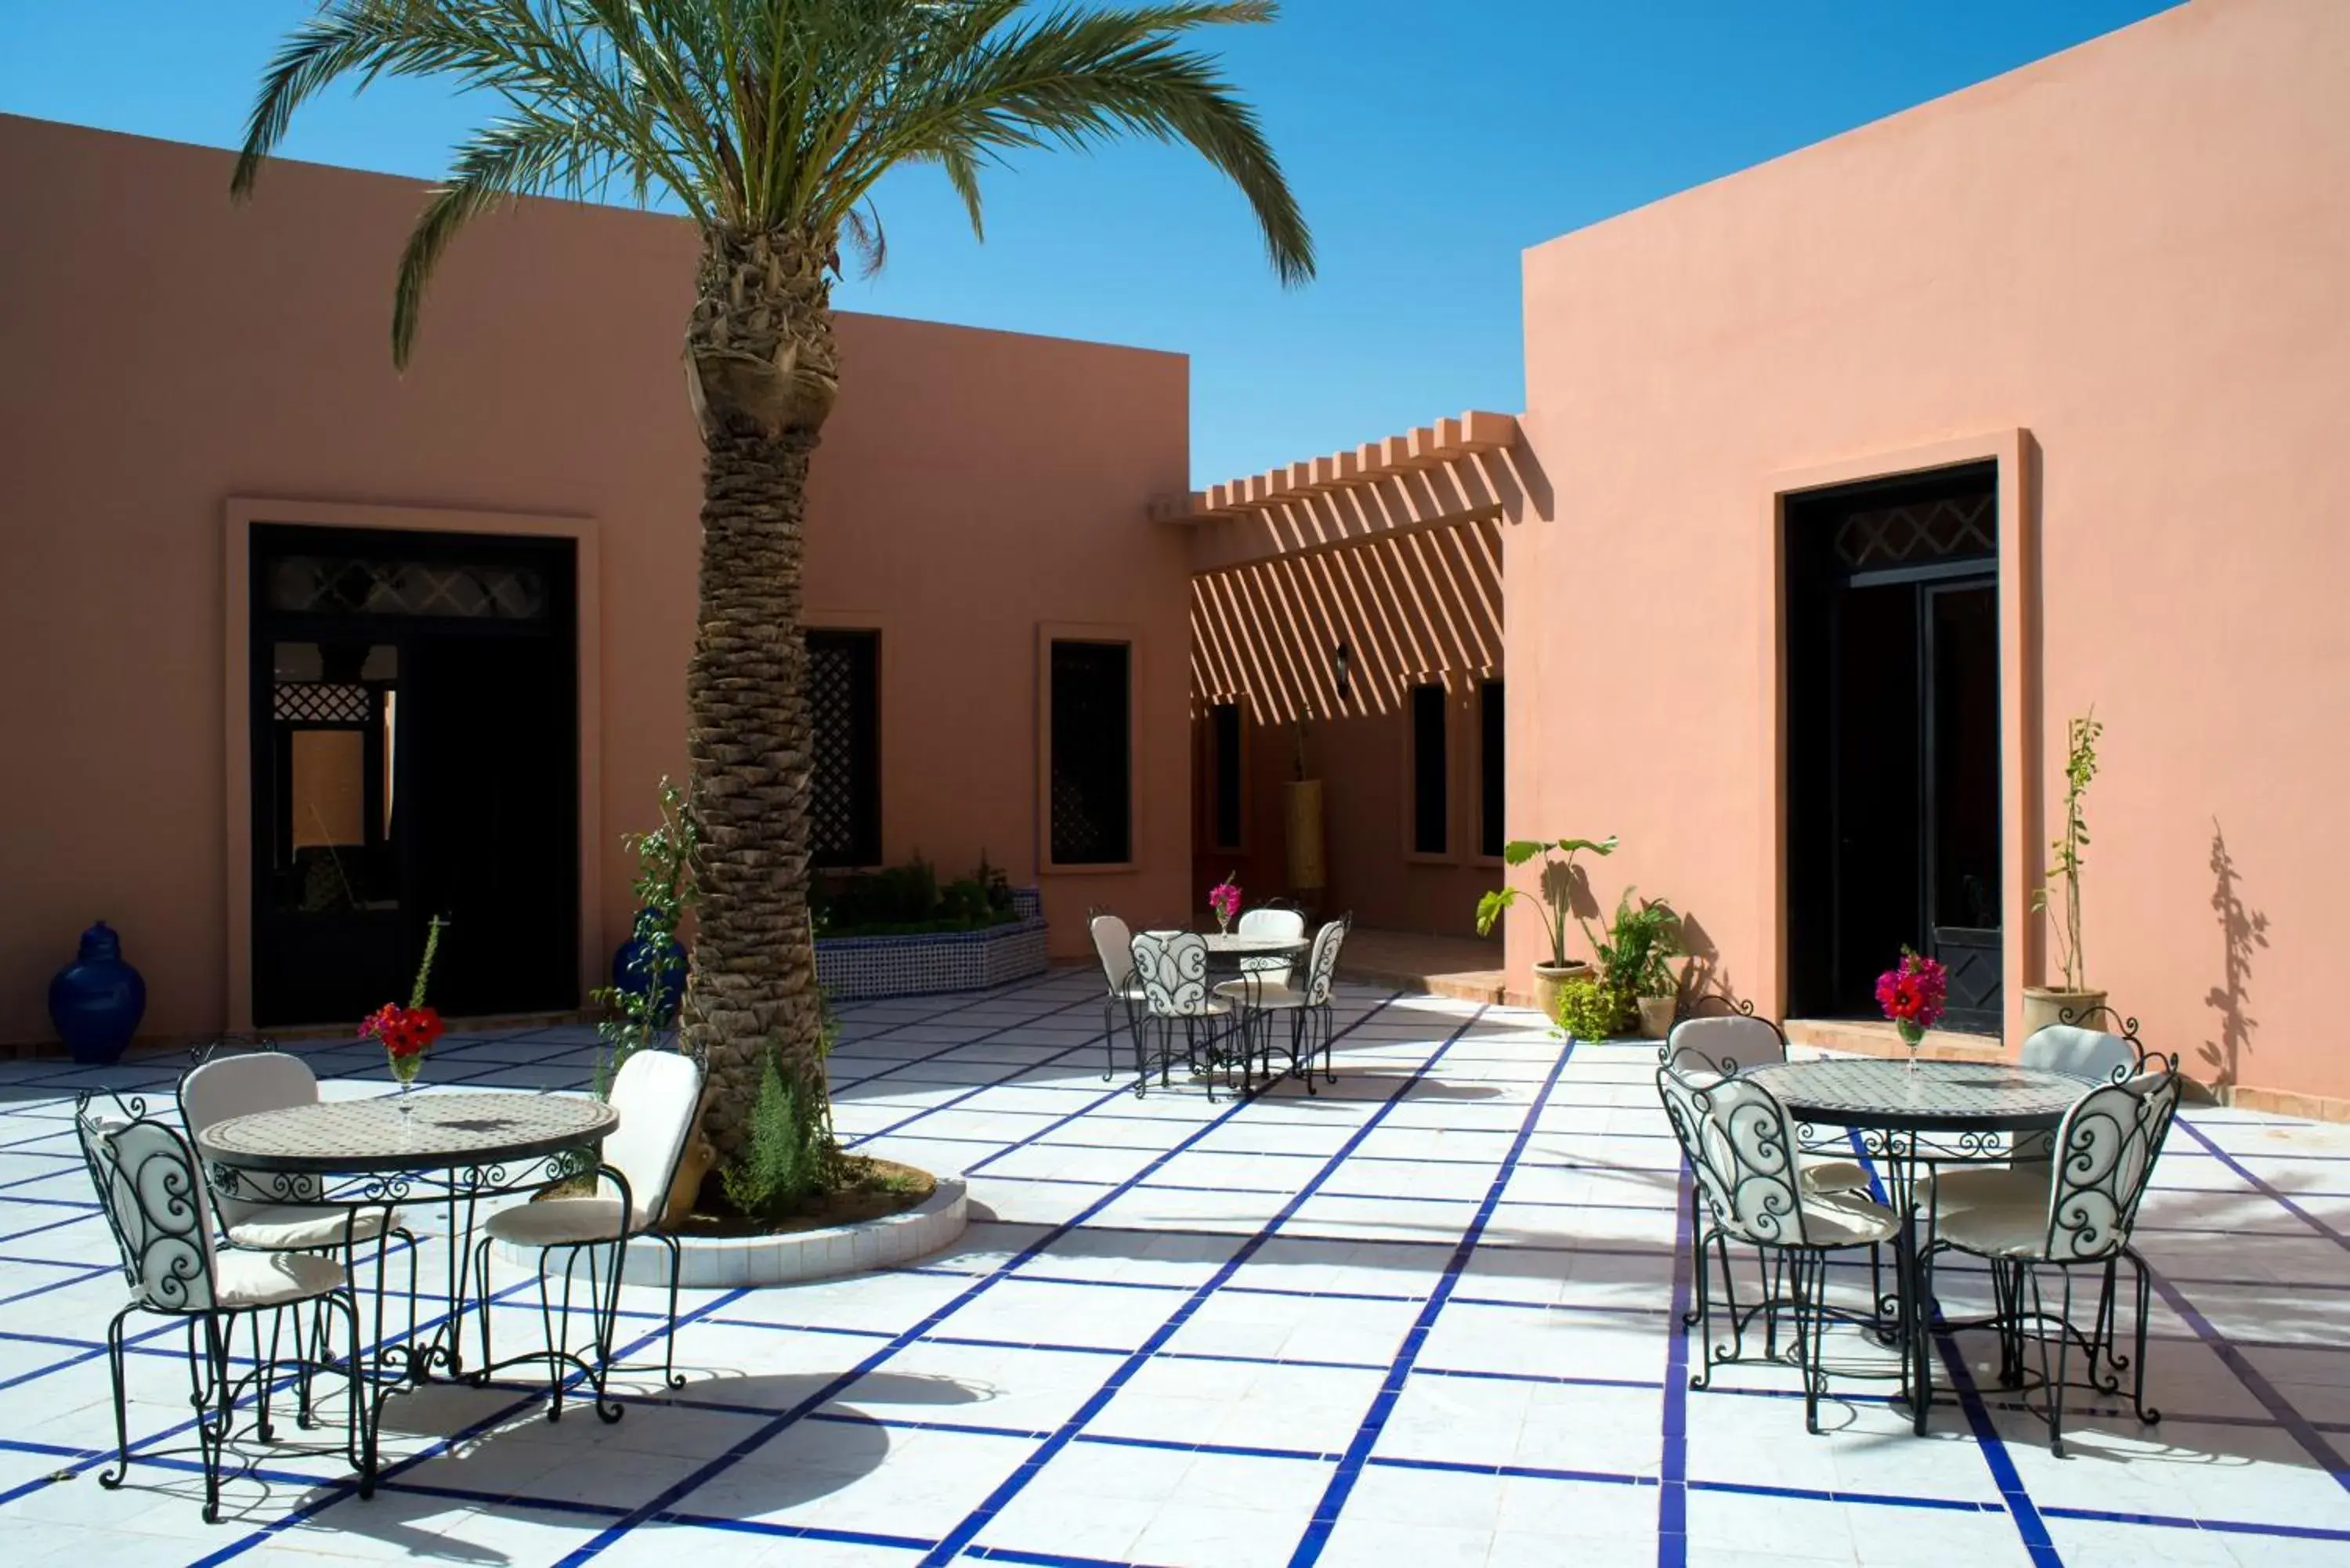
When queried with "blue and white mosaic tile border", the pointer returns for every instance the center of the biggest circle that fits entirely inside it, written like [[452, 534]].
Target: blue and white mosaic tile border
[[942, 962]]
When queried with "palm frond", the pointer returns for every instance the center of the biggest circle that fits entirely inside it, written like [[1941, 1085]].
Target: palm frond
[[778, 117]]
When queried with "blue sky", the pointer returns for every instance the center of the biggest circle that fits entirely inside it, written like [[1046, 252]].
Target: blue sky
[[1430, 140]]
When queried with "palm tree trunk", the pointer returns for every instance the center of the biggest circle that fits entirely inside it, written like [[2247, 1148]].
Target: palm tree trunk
[[762, 367]]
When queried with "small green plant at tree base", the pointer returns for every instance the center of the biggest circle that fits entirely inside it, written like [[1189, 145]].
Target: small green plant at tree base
[[2081, 737], [791, 1155], [1555, 885], [1589, 1008], [635, 1017]]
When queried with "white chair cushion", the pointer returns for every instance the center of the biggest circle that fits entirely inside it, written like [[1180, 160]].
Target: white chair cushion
[[2015, 1225], [1835, 1176], [301, 1228], [655, 1094], [1845, 1219], [1267, 993], [558, 1222], [272, 1279], [1972, 1186]]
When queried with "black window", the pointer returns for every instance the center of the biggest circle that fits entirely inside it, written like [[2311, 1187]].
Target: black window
[[1488, 769], [844, 690], [1427, 801], [1224, 757], [1091, 799]]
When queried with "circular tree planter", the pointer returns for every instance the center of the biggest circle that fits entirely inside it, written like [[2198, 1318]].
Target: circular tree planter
[[729, 1261]]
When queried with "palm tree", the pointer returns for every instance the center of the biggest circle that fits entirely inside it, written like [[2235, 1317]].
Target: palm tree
[[768, 122]]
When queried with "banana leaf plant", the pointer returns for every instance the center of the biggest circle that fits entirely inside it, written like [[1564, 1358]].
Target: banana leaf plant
[[1555, 885]]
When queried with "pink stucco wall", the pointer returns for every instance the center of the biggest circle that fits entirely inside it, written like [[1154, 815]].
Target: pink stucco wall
[[2135, 252], [165, 352]]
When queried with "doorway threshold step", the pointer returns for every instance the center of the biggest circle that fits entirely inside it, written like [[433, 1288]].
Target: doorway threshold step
[[1877, 1037]]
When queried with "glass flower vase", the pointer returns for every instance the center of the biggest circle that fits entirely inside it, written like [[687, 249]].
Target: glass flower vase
[[403, 1073], [1912, 1035]]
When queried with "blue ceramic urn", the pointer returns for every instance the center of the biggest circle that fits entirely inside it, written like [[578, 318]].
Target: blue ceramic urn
[[629, 968], [96, 1002]]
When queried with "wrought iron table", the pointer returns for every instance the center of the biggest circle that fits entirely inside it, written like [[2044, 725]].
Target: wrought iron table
[[456, 1148], [1908, 1116], [1232, 950]]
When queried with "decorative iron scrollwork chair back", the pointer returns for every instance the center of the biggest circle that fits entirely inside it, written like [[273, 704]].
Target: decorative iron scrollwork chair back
[[2104, 1155], [1171, 967], [1742, 1155], [157, 1206], [1721, 1044]]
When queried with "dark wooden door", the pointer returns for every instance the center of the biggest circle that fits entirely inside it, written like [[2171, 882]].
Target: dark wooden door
[[415, 753]]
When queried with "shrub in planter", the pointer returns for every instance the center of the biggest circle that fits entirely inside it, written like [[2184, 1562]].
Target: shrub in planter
[[1591, 1009]]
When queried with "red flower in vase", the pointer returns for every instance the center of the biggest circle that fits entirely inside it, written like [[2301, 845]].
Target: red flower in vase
[[409, 1031], [1914, 991]]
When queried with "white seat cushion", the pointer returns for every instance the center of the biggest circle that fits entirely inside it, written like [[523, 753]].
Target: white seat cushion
[[1835, 1176], [1266, 993], [2017, 1187], [2012, 1224], [272, 1279], [558, 1222], [1845, 1219], [303, 1228]]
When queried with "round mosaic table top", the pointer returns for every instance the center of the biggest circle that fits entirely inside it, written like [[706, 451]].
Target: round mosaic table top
[[1938, 1096], [1232, 944], [442, 1131]]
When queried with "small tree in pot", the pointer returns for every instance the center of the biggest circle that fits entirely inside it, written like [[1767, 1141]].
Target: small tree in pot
[[1635, 957], [2073, 1001], [1556, 887]]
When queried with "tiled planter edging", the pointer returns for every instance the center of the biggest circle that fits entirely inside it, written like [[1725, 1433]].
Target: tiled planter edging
[[737, 1261], [853, 968]]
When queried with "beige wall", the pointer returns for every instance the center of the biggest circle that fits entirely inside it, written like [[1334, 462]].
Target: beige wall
[[2135, 252], [165, 352]]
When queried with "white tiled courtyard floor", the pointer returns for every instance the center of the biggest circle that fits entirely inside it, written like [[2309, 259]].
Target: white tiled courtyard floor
[[1425, 1317]]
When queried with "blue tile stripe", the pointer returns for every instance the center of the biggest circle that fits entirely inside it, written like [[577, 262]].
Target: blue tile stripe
[[1341, 1484], [968, 1529], [838, 1384]]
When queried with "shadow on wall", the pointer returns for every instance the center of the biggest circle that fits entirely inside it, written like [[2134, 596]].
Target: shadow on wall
[[1404, 607], [2242, 932], [1704, 974]]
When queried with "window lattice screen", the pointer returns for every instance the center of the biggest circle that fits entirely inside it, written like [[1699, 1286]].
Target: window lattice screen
[[321, 702], [1091, 791], [844, 710], [345, 584], [1924, 531]]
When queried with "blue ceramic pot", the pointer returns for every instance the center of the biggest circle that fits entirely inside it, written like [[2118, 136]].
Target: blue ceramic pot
[[97, 1001], [628, 968]]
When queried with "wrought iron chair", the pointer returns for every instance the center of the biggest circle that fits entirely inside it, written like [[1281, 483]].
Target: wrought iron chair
[[657, 1094], [1271, 918], [2081, 1217], [2074, 1049], [158, 1209], [1741, 1147], [281, 1212], [1172, 967], [1720, 1045], [1311, 1022], [1113, 945]]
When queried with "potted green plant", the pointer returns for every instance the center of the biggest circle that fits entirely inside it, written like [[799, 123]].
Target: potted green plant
[[1636, 962], [1556, 888], [2073, 1000]]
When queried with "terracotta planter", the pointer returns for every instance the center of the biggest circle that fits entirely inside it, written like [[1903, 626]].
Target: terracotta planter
[[2046, 1004], [1657, 1016], [1548, 978]]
